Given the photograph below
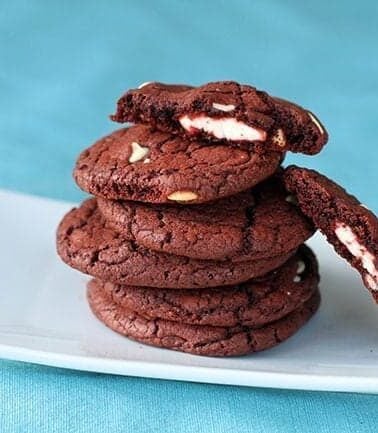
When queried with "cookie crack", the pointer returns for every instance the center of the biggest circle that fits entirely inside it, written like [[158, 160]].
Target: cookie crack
[[241, 100]]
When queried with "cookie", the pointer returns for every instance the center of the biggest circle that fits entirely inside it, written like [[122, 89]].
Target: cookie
[[224, 111], [349, 226], [254, 303], [197, 339], [85, 243], [255, 224], [137, 163]]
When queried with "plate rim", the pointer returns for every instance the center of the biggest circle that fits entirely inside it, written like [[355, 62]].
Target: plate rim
[[202, 374], [351, 380]]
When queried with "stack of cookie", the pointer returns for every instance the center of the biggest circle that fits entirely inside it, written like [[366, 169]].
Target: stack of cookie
[[194, 241]]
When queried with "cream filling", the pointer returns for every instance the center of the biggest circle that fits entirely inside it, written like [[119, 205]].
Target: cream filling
[[223, 128], [348, 238]]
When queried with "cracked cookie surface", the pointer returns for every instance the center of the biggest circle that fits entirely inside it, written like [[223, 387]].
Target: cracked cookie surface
[[139, 164], [86, 243], [197, 339], [254, 224], [254, 303], [224, 111], [349, 226]]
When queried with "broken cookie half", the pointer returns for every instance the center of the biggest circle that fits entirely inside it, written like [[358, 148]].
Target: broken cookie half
[[224, 111], [349, 226]]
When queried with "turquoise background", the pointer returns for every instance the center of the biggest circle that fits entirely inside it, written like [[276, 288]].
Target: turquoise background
[[62, 67]]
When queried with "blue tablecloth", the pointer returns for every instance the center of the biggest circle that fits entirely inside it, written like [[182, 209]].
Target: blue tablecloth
[[62, 66]]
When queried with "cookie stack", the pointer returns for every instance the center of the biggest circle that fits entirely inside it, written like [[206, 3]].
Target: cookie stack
[[193, 239]]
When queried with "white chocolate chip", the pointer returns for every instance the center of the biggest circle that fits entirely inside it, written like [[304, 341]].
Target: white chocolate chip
[[182, 196], [146, 161], [144, 84], [138, 152], [279, 138], [316, 121], [301, 267], [223, 107], [291, 199]]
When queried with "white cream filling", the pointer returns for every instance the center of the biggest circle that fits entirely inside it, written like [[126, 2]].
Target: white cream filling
[[371, 282], [224, 128], [348, 238]]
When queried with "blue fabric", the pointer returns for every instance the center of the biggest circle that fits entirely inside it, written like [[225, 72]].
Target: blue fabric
[[62, 66]]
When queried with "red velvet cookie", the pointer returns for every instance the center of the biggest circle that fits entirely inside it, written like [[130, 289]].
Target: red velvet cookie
[[255, 224], [86, 243], [137, 163], [349, 226], [224, 111], [197, 339], [254, 303]]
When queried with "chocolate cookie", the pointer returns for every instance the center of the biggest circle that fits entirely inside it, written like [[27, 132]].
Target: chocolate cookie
[[224, 111], [254, 303], [197, 339], [255, 224], [87, 244], [137, 163], [349, 226]]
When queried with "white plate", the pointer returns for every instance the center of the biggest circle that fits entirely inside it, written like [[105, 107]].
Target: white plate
[[44, 318]]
